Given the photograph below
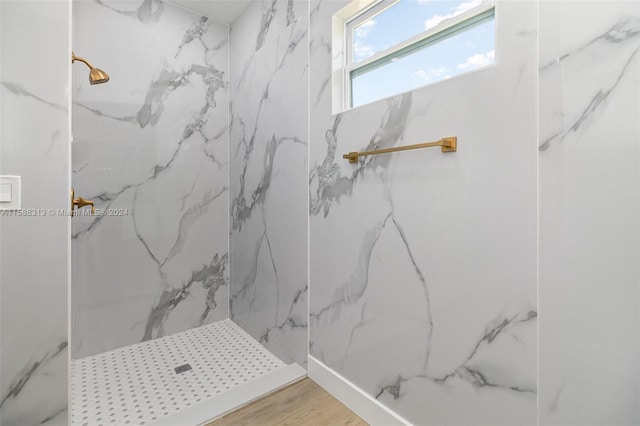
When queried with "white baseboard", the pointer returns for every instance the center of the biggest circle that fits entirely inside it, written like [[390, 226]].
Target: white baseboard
[[235, 398], [361, 403]]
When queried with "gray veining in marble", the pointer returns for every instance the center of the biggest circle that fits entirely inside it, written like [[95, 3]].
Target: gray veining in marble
[[268, 145], [423, 267], [147, 11], [33, 261], [152, 143], [404, 303], [589, 208], [331, 184], [624, 34]]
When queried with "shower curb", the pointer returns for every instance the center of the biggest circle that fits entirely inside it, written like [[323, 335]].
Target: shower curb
[[223, 404]]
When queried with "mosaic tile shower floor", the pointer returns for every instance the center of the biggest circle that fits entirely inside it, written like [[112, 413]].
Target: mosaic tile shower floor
[[138, 384]]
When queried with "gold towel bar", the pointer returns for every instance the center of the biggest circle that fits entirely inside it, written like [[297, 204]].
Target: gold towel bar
[[449, 144]]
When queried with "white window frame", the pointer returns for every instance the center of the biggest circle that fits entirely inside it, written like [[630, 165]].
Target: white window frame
[[361, 11], [373, 10]]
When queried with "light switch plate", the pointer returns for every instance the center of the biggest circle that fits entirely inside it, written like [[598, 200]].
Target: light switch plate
[[10, 192], [5, 193]]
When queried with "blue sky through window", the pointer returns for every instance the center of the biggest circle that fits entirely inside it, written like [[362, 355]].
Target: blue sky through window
[[403, 20], [465, 51]]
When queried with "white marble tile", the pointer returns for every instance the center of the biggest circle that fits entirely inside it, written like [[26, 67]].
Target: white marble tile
[[268, 176], [152, 142], [423, 264], [589, 210], [33, 250]]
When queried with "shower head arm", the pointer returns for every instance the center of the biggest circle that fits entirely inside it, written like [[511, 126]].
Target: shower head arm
[[96, 75], [78, 58]]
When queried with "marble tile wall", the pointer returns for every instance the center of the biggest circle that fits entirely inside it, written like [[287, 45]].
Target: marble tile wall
[[589, 213], [268, 179], [152, 146], [34, 135], [423, 264]]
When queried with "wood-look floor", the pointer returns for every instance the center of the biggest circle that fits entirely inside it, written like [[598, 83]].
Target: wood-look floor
[[302, 403]]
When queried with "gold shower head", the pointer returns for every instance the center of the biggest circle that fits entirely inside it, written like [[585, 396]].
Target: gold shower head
[[96, 75]]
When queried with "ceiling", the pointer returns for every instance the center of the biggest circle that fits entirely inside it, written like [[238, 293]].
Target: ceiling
[[222, 11]]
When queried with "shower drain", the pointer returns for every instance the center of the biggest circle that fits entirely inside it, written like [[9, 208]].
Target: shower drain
[[182, 369]]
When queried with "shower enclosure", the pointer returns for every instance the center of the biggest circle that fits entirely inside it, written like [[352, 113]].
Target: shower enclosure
[[233, 249], [151, 149]]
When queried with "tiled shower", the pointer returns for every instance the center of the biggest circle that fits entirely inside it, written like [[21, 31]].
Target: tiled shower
[[495, 285], [151, 144], [175, 158]]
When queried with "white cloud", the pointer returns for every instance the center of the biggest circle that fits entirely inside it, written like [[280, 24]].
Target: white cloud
[[432, 73], [362, 51], [421, 75], [437, 72], [364, 29], [461, 8], [478, 60]]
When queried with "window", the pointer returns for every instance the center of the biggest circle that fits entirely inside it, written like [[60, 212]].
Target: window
[[393, 46]]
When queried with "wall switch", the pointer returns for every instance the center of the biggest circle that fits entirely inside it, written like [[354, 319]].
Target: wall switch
[[5, 193], [10, 192]]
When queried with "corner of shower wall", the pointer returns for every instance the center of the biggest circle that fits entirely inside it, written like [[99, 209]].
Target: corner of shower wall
[[589, 179], [150, 146], [268, 175], [34, 144]]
